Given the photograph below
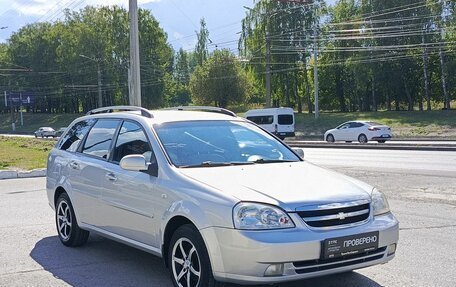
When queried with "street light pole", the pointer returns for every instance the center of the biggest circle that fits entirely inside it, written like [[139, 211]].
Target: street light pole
[[268, 71], [317, 109], [100, 96], [135, 75]]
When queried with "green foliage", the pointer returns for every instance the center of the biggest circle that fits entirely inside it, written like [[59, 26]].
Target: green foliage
[[220, 81], [372, 54], [201, 51], [67, 82]]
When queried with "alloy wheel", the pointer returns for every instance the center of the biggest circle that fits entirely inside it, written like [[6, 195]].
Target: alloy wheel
[[186, 264], [64, 220]]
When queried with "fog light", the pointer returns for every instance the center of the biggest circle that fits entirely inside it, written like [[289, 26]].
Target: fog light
[[274, 270], [391, 249]]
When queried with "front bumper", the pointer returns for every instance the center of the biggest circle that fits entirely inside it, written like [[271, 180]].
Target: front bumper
[[244, 256]]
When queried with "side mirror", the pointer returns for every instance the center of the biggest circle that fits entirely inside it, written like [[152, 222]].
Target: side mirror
[[299, 152], [134, 162]]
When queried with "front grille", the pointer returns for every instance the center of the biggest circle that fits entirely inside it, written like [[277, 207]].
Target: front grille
[[338, 216], [303, 267]]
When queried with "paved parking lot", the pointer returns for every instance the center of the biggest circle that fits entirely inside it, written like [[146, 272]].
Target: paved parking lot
[[31, 254]]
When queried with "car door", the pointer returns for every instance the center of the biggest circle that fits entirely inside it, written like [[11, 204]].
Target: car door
[[129, 198], [342, 132], [355, 129], [91, 164], [72, 162]]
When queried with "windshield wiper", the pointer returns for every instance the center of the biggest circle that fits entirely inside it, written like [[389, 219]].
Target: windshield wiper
[[262, 160], [215, 164]]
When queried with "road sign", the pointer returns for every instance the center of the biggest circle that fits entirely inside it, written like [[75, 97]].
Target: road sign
[[19, 98]]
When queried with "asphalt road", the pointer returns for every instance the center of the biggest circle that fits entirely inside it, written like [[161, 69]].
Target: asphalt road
[[421, 187]]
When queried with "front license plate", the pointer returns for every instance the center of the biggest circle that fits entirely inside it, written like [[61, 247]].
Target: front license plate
[[349, 245]]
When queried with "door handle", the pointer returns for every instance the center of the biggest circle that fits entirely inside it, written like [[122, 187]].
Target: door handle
[[74, 165], [111, 177]]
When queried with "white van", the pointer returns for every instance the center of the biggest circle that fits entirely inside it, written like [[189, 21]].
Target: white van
[[279, 121]]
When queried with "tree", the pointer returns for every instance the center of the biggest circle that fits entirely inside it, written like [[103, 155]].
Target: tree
[[220, 81], [63, 81], [201, 51], [179, 92]]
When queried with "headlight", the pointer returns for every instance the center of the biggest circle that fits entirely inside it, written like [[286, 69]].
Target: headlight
[[257, 216], [379, 203]]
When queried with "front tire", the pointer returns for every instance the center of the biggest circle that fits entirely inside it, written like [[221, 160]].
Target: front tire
[[382, 142], [188, 259], [330, 138], [67, 227]]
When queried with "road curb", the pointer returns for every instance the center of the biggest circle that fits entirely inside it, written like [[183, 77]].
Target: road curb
[[374, 146], [12, 174]]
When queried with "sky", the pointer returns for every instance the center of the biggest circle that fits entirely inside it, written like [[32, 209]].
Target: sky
[[179, 18]]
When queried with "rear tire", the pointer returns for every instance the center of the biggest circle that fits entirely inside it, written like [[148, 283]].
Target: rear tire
[[330, 138], [362, 138], [382, 142], [67, 227], [189, 263]]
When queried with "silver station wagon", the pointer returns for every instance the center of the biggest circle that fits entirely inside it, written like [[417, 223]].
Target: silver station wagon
[[214, 195]]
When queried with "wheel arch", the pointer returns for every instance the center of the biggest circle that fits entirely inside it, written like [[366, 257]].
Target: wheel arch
[[172, 225], [58, 191]]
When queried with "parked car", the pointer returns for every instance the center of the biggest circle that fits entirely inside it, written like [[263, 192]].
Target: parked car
[[45, 132], [362, 132], [214, 195], [60, 131], [279, 121]]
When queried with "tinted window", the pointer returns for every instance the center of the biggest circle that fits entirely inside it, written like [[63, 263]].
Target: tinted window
[[71, 140], [131, 140], [356, 125], [285, 120], [100, 137], [262, 120]]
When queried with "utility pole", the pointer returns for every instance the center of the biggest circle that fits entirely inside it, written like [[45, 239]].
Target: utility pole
[[135, 75], [268, 71], [317, 110], [442, 62], [426, 79], [100, 96]]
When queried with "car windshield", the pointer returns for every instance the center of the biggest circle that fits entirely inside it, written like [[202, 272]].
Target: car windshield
[[220, 143]]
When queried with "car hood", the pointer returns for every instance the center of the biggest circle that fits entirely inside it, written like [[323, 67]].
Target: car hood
[[288, 185]]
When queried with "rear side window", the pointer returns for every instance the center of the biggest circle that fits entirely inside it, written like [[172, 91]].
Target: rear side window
[[100, 137], [356, 125], [262, 120], [131, 140], [285, 119], [71, 140]]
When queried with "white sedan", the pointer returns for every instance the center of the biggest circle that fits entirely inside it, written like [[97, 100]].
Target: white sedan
[[362, 132]]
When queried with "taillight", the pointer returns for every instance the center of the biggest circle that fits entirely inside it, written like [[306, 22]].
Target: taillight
[[373, 129]]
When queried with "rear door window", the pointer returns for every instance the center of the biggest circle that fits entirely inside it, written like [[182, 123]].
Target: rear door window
[[285, 119], [99, 139], [72, 139]]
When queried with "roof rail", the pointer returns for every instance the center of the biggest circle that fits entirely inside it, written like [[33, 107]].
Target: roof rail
[[204, 109], [144, 112]]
